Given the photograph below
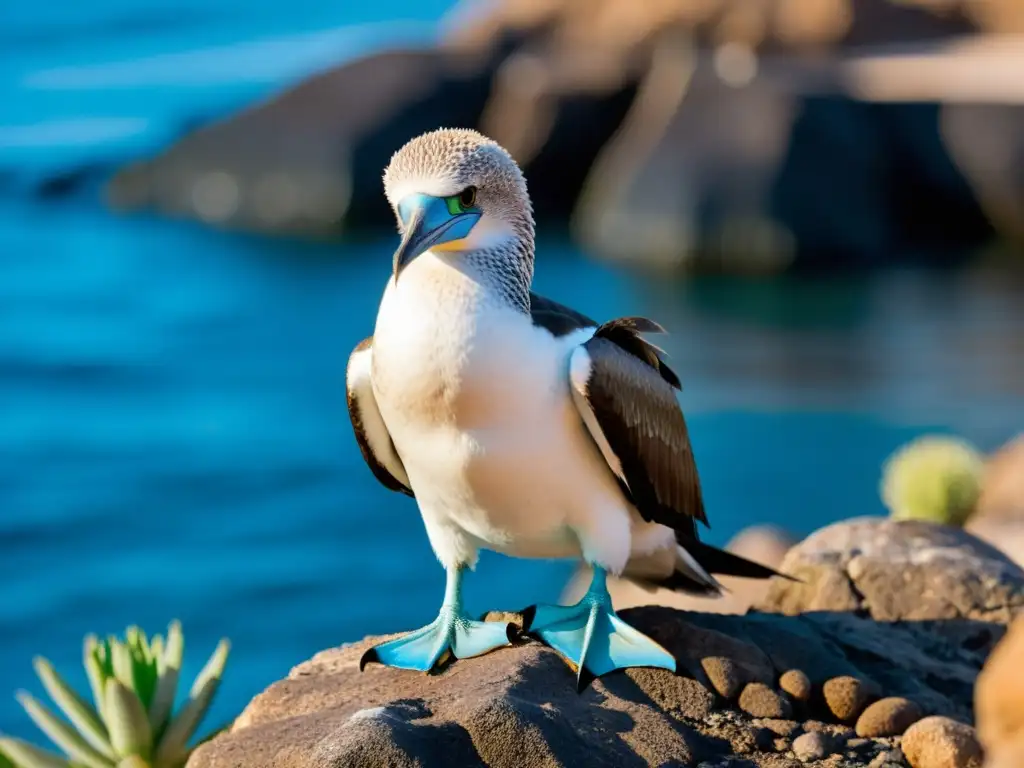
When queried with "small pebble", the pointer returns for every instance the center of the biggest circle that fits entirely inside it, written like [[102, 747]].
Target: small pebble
[[759, 700], [847, 696], [858, 744], [939, 742], [812, 746], [888, 717], [796, 684]]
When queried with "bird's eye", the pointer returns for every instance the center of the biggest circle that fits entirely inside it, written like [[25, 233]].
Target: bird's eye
[[461, 202]]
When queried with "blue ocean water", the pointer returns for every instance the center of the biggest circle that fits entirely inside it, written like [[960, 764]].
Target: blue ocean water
[[174, 441]]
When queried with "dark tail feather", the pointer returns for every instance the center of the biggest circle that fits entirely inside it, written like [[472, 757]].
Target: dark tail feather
[[677, 582], [724, 563], [698, 580]]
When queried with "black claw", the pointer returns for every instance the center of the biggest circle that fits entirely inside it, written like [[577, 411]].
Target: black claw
[[528, 616], [584, 678], [512, 633], [366, 658]]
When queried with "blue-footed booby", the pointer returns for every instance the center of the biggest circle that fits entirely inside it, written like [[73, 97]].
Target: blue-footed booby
[[520, 425]]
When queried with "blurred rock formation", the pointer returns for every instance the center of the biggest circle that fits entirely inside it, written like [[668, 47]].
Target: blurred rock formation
[[746, 135], [999, 516], [999, 702]]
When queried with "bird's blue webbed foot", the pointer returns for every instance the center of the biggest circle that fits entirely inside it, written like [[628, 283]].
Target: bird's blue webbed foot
[[451, 633], [592, 637]]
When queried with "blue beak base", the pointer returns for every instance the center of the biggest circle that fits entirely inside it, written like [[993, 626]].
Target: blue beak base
[[426, 222]]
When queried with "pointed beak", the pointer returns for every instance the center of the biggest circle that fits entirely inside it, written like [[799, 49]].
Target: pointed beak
[[414, 240], [426, 222]]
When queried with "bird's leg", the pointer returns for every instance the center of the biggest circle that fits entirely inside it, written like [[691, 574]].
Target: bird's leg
[[592, 638], [452, 632]]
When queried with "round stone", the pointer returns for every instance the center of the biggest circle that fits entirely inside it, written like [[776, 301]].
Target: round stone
[[758, 700], [813, 746], [796, 684], [888, 717], [847, 696], [724, 674], [939, 742]]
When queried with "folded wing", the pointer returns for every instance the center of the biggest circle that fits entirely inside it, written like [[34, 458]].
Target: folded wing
[[371, 433], [625, 393]]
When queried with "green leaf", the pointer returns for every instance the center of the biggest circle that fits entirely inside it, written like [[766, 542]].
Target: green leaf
[[61, 734], [133, 761], [130, 733], [169, 670], [173, 747], [97, 679], [213, 669], [94, 670], [121, 656], [81, 715], [25, 755]]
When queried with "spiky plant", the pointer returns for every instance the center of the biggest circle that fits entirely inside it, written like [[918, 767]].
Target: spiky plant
[[131, 723], [933, 478]]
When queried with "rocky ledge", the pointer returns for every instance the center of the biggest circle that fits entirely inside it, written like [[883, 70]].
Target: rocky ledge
[[832, 686]]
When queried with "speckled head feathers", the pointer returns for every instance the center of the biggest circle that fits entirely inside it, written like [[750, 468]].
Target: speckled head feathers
[[445, 162], [448, 160]]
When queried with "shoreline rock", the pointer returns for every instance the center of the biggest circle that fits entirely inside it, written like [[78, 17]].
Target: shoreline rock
[[769, 689], [905, 570], [518, 706]]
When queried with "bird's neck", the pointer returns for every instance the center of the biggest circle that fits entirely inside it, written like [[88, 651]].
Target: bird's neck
[[504, 273]]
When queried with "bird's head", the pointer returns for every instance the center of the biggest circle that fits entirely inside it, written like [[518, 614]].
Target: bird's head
[[459, 193]]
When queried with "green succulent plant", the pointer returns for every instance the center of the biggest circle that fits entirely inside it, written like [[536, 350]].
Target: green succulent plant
[[131, 722], [933, 478]]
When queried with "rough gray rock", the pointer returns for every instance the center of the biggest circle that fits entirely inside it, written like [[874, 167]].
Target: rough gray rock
[[941, 573], [518, 706]]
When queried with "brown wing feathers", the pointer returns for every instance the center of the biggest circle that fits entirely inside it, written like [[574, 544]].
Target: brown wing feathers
[[638, 413], [636, 408], [625, 332]]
